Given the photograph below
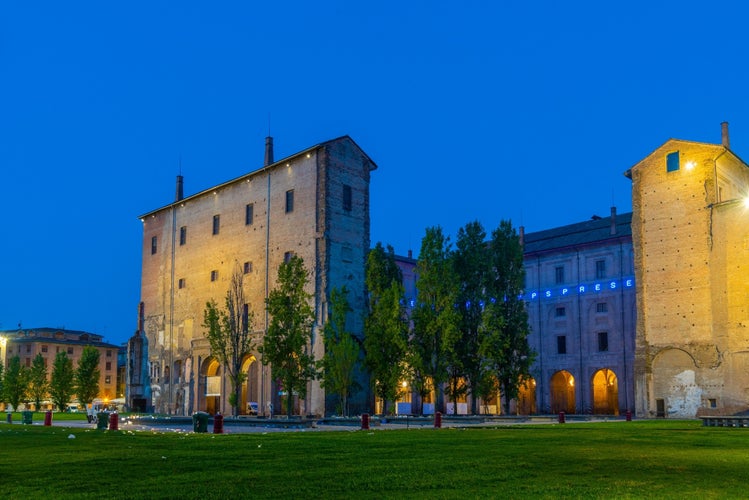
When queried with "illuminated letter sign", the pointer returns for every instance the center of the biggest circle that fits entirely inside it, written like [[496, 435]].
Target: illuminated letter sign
[[565, 291], [548, 293], [597, 287], [581, 289]]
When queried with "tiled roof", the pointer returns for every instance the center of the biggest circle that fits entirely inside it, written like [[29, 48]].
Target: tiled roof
[[596, 230]]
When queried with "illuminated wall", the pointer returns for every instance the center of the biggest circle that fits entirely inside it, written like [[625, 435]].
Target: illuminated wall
[[689, 230]]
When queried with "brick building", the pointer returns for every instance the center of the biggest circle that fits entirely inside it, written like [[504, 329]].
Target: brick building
[[690, 234], [314, 204], [27, 343]]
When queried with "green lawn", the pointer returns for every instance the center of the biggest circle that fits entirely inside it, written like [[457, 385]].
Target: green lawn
[[647, 459]]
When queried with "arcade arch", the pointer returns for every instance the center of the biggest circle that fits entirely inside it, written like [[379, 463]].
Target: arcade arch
[[605, 392], [562, 392]]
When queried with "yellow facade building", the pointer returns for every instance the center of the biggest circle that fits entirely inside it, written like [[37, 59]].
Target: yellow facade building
[[690, 233]]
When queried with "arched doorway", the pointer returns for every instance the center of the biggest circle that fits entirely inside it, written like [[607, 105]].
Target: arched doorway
[[211, 397], [677, 387], [562, 392], [250, 387], [605, 393], [527, 397]]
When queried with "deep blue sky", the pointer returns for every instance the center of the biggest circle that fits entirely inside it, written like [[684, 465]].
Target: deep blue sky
[[529, 111]]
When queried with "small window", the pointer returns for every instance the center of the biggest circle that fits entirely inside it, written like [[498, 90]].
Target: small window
[[559, 275], [154, 244], [216, 224], [600, 269], [347, 197], [560, 312], [712, 403], [347, 254], [183, 235], [214, 275], [181, 283], [603, 341], [672, 162], [602, 307], [108, 379], [249, 213], [108, 366], [28, 362], [28, 347], [70, 350], [287, 256], [247, 267], [561, 344], [289, 200], [109, 353], [44, 348]]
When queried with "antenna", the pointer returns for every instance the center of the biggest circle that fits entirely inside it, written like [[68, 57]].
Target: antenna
[[180, 164], [269, 124]]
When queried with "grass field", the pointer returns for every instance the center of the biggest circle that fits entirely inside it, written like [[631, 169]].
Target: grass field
[[641, 459]]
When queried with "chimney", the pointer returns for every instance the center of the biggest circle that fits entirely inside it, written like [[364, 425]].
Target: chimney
[[724, 135], [521, 235], [180, 192], [410, 254], [613, 220], [268, 151]]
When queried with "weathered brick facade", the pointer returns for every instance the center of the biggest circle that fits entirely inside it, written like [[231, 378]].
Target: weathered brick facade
[[691, 235], [200, 240]]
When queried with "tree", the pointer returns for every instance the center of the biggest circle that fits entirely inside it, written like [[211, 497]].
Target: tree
[[2, 376], [38, 384], [341, 351], [15, 382], [472, 267], [286, 343], [229, 333], [61, 383], [386, 324], [505, 319], [87, 375], [435, 318]]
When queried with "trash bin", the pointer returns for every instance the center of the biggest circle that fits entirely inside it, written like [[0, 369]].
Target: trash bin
[[102, 420], [218, 424], [114, 422], [26, 417], [200, 421]]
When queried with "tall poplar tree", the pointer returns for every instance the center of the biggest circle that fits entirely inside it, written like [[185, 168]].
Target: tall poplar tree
[[229, 332], [38, 383], [435, 318], [505, 319], [286, 345], [341, 351], [15, 382], [385, 325], [62, 381], [87, 376]]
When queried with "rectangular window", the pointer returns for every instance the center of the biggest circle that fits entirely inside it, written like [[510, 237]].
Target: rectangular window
[[181, 283], [602, 307], [109, 353], [249, 213], [561, 344], [214, 275], [108, 366], [216, 224], [44, 348], [289, 200], [559, 275], [28, 347], [672, 162], [561, 312], [287, 256], [347, 197], [183, 235], [603, 341], [108, 379], [28, 362], [70, 351], [247, 267], [600, 269], [154, 244], [713, 403]]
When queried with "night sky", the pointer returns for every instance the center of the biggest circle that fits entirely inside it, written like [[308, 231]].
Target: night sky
[[529, 111]]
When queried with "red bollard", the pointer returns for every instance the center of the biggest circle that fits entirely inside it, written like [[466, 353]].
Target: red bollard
[[561, 417], [629, 416], [114, 422], [48, 418], [218, 424], [365, 421], [438, 420]]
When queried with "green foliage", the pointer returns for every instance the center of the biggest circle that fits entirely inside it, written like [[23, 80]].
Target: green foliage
[[2, 383], [661, 459], [435, 318], [87, 374], [62, 381], [15, 382], [38, 384], [286, 345], [505, 321], [341, 352], [386, 324], [229, 332]]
